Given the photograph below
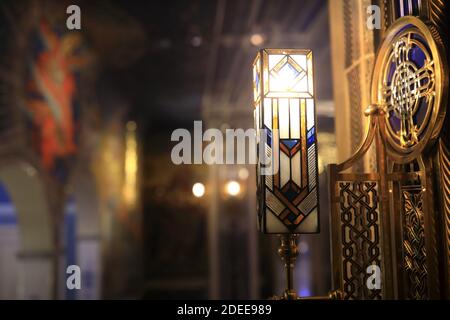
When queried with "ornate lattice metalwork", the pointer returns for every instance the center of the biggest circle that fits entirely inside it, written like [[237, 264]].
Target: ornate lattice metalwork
[[444, 161], [360, 236], [414, 250], [390, 217]]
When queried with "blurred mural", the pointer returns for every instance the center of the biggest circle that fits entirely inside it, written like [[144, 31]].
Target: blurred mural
[[52, 87]]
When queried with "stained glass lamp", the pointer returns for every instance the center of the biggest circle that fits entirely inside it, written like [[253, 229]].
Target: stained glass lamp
[[285, 122]]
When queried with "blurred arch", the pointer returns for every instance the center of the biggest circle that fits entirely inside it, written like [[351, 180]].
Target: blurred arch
[[87, 230], [9, 246], [37, 254]]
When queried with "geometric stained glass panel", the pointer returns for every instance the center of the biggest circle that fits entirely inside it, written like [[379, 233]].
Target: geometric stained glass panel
[[288, 199], [288, 75]]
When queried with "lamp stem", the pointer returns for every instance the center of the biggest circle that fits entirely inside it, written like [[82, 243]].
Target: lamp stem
[[288, 252]]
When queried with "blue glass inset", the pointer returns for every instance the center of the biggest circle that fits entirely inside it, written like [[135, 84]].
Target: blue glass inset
[[291, 217], [257, 81], [421, 112], [290, 143], [391, 72], [290, 194], [7, 210], [311, 138], [4, 196], [419, 38], [394, 121], [406, 8], [268, 136], [417, 56]]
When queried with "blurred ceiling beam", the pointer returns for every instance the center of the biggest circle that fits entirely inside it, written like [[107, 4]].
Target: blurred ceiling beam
[[211, 64]]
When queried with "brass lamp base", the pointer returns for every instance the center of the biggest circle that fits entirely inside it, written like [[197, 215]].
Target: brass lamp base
[[288, 252]]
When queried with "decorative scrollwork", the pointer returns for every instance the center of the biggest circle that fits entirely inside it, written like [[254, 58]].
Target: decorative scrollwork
[[409, 82], [409, 86], [360, 237], [414, 252]]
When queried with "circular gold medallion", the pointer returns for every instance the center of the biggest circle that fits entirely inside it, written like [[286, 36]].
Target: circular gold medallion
[[409, 82]]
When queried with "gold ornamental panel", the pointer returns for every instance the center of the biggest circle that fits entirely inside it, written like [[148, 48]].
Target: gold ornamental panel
[[386, 218]]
